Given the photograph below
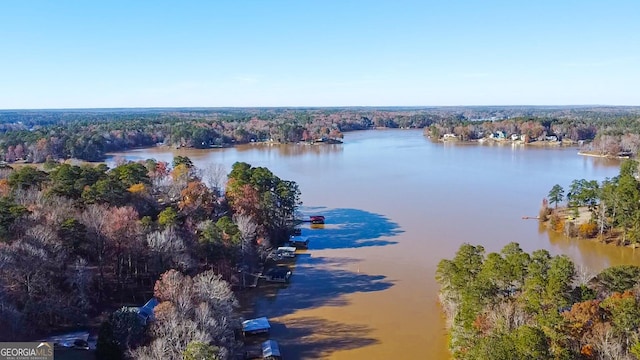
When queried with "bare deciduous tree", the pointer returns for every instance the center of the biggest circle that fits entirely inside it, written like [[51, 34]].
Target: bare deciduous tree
[[80, 278], [169, 250], [198, 309], [583, 276], [248, 228], [607, 345], [159, 349], [215, 176], [508, 315], [175, 287], [217, 307], [94, 217], [171, 337]]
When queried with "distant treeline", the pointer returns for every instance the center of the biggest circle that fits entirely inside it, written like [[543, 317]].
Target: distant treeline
[[36, 135]]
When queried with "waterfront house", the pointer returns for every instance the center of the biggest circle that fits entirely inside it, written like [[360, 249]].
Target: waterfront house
[[498, 135]]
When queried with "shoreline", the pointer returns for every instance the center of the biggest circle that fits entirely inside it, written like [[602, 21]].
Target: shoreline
[[610, 237], [509, 142], [602, 156]]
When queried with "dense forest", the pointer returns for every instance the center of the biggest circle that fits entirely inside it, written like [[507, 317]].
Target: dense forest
[[38, 135], [77, 242], [515, 305], [613, 204]]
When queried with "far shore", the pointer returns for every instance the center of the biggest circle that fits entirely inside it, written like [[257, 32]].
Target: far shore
[[332, 141], [511, 142]]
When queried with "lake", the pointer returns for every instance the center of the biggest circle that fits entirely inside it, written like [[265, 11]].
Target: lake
[[396, 204]]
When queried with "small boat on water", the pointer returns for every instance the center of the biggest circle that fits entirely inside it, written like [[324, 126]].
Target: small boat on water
[[278, 274], [286, 252], [317, 219], [282, 253]]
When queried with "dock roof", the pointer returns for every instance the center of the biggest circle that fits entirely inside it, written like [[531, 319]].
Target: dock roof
[[287, 248], [270, 348], [256, 324]]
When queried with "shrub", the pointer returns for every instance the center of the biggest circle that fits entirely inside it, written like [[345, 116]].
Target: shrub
[[588, 230], [556, 222]]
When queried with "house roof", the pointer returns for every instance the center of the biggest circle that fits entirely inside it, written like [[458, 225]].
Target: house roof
[[256, 324], [270, 348], [147, 309]]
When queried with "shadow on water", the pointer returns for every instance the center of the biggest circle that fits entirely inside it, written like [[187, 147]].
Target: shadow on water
[[320, 281], [316, 282], [350, 228], [315, 338]]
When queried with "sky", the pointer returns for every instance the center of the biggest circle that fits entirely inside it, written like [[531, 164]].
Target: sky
[[243, 53]]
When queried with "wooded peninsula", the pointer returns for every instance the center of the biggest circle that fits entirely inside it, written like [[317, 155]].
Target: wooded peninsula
[[515, 305], [78, 243], [608, 211]]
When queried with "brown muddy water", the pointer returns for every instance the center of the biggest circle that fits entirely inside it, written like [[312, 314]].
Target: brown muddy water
[[396, 204]]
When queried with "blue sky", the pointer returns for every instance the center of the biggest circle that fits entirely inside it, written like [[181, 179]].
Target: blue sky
[[79, 54]]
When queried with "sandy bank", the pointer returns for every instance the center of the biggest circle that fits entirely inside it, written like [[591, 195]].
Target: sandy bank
[[594, 154]]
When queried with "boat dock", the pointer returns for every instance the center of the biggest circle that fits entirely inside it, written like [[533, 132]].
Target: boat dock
[[299, 242]]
